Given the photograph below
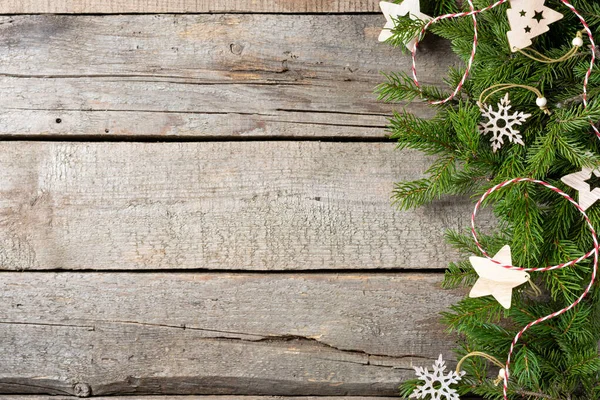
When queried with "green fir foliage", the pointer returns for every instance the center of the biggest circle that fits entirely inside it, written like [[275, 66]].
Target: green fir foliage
[[557, 359]]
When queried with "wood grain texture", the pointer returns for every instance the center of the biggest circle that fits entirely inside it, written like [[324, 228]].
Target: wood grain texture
[[205, 397], [185, 6], [217, 205], [258, 334], [201, 75]]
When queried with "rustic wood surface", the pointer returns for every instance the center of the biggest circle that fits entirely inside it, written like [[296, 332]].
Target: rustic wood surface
[[206, 397], [182, 333], [217, 205], [201, 75], [291, 240], [185, 6]]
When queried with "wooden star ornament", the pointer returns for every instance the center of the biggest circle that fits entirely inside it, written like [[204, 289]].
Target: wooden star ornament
[[392, 11], [496, 280], [587, 182]]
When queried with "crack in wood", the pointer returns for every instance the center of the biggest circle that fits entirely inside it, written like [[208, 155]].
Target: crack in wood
[[87, 327], [241, 336], [172, 79], [300, 110], [261, 338]]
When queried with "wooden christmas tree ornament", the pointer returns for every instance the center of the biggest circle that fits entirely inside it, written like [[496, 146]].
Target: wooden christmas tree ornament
[[528, 19], [392, 11], [587, 182]]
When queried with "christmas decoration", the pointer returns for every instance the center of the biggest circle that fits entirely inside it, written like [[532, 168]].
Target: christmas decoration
[[494, 279], [501, 124], [460, 84], [436, 384], [545, 346], [570, 306], [392, 11], [528, 19], [587, 183]]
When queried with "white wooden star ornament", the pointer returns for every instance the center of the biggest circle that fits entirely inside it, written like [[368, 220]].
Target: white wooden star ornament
[[392, 11], [528, 19], [587, 182], [496, 280]]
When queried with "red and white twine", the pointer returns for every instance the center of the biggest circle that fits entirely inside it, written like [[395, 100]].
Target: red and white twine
[[595, 250], [473, 14], [559, 312]]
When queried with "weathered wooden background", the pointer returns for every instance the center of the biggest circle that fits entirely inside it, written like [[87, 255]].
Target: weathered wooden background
[[195, 200]]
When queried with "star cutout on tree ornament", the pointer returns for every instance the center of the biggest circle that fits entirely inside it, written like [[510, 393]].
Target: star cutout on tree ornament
[[496, 280], [539, 15], [594, 181], [502, 124], [437, 382], [528, 19], [392, 11], [586, 182]]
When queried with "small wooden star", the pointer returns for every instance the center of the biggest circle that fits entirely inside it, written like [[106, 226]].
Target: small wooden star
[[587, 183], [392, 11], [496, 280], [539, 15], [523, 13]]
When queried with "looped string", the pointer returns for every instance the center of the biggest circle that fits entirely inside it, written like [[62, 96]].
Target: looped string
[[536, 290], [487, 93], [478, 354], [487, 357], [539, 57]]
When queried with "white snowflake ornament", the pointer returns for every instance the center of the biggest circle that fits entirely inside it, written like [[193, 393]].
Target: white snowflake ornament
[[437, 382], [501, 124]]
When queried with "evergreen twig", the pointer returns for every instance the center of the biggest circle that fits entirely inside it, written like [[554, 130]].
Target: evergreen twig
[[559, 358]]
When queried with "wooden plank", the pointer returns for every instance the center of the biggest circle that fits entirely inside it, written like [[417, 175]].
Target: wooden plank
[[183, 333], [217, 205], [184, 397], [201, 75], [185, 6]]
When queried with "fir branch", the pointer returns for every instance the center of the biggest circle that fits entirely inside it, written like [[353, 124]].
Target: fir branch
[[459, 275], [401, 87], [559, 358], [405, 29]]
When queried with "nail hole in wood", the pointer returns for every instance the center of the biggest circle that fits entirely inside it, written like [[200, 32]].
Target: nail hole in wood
[[82, 389]]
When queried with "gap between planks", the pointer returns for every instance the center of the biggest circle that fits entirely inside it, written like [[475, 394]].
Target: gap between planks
[[192, 397], [188, 139]]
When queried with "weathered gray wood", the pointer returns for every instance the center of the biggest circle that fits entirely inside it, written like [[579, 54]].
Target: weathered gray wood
[[192, 397], [216, 205], [201, 75], [185, 6], [260, 334]]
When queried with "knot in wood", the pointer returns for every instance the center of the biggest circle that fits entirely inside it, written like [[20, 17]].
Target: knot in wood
[[236, 48], [82, 389]]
